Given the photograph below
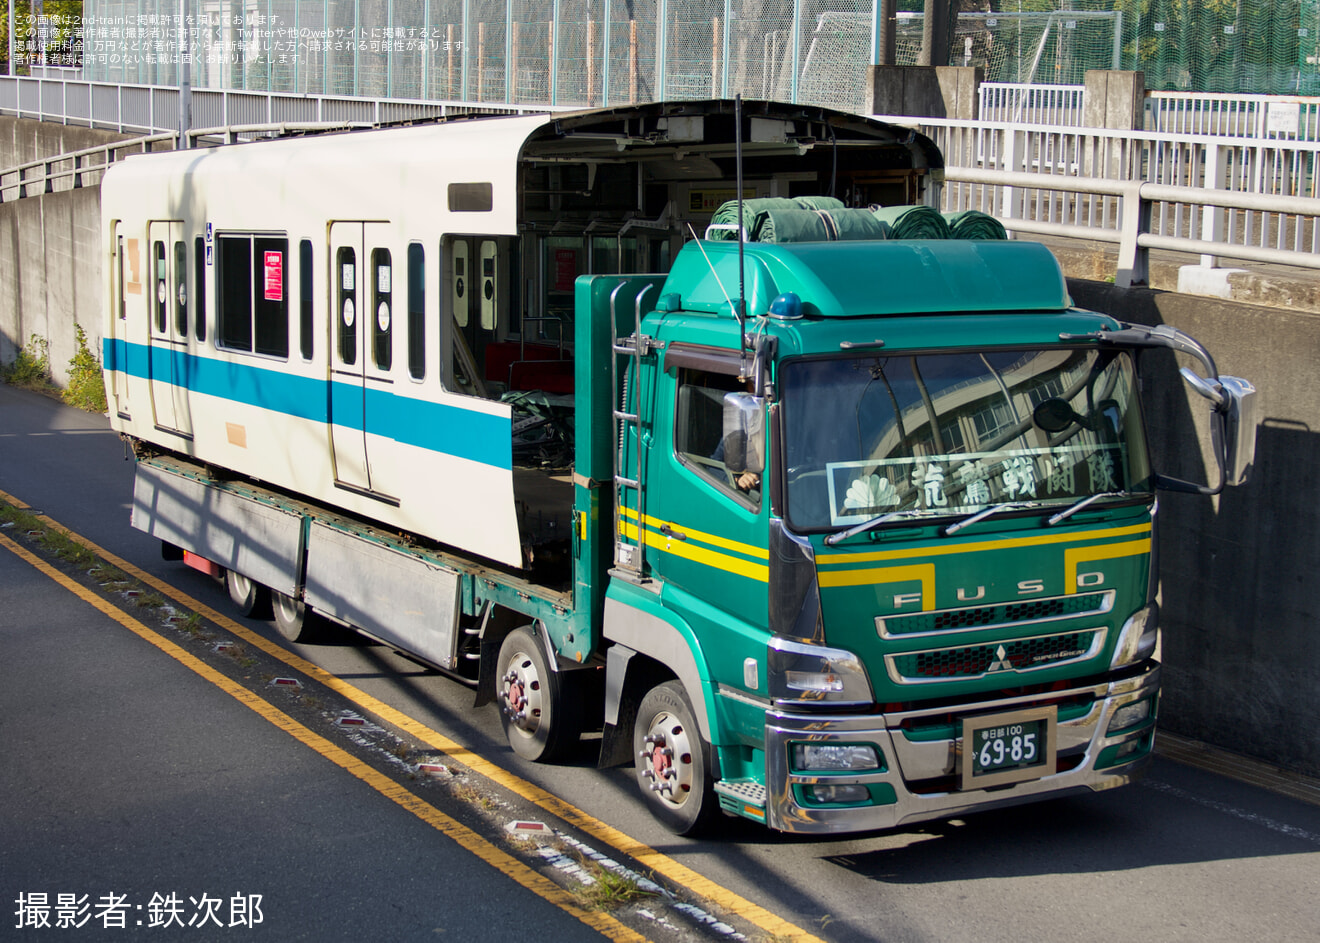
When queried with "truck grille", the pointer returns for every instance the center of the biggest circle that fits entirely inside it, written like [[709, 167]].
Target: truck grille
[[973, 661], [1015, 613]]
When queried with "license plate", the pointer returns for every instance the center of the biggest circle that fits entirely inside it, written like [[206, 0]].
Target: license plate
[[1009, 748]]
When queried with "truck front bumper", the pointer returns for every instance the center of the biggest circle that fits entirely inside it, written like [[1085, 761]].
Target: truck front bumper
[[919, 778]]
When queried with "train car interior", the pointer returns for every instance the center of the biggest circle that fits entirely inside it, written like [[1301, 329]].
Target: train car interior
[[621, 192]]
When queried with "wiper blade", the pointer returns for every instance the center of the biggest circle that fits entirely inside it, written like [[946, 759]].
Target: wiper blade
[[856, 529], [1080, 505], [986, 512]]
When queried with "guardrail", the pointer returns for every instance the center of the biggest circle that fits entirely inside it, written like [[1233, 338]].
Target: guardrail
[[1243, 116], [155, 108], [76, 169], [1129, 206], [1217, 196]]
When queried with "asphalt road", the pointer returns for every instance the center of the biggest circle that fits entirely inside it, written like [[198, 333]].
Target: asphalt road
[[126, 773]]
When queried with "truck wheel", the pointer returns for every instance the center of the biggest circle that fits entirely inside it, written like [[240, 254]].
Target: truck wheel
[[673, 761], [540, 721], [293, 619], [252, 599]]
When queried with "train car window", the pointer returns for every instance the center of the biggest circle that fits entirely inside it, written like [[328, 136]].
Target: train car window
[[119, 257], [199, 286], [346, 266], [234, 291], [471, 197], [270, 291], [181, 289], [162, 291], [305, 342], [416, 311], [382, 294]]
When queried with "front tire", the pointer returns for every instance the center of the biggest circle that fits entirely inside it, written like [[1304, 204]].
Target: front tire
[[539, 720], [251, 598], [673, 761]]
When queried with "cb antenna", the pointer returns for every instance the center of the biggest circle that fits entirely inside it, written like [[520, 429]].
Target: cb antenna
[[740, 312]]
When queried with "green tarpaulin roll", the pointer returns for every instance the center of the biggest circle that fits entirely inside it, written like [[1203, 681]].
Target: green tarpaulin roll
[[800, 225], [727, 215], [973, 224], [912, 222]]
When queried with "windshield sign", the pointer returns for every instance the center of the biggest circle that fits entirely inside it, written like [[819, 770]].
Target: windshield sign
[[936, 435]]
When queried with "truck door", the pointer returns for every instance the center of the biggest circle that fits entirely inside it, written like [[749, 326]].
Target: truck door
[[706, 517], [167, 361], [360, 346]]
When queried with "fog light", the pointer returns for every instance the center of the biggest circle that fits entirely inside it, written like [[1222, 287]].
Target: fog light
[[838, 794], [1127, 749], [1130, 715], [831, 757]]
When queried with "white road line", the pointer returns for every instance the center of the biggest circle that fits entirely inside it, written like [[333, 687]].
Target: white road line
[[1292, 831]]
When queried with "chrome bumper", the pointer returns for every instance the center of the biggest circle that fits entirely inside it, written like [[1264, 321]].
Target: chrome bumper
[[913, 766]]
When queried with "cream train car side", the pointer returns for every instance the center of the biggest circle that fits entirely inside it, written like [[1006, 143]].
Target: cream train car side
[[263, 298]]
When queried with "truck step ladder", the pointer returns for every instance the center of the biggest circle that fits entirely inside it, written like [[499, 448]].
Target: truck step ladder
[[628, 559]]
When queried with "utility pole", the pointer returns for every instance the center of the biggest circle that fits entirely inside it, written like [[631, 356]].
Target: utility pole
[[935, 33], [185, 77]]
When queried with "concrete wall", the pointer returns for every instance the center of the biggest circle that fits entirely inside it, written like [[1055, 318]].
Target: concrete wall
[[922, 91], [50, 274], [50, 265], [1241, 637]]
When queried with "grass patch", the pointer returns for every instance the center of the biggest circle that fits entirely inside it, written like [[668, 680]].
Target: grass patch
[[86, 388], [31, 367], [611, 889]]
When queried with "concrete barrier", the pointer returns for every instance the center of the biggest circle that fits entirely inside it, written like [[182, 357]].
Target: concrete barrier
[[50, 266], [1241, 646]]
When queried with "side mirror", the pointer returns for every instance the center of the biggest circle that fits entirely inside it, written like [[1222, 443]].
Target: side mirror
[[744, 432], [1232, 423]]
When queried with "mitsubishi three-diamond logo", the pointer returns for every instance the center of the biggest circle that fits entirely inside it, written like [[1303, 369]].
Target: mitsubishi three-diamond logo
[[1001, 662]]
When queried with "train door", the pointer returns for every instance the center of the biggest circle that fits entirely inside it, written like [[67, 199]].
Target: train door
[[121, 273], [474, 296], [167, 359], [361, 291]]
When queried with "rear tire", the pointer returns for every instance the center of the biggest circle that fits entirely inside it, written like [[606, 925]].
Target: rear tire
[[673, 761], [293, 619], [541, 718], [251, 598]]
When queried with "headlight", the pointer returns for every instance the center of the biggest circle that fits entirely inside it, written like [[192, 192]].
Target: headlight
[[1138, 638], [799, 672], [834, 757]]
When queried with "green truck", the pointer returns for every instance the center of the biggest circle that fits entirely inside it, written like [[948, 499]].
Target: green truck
[[834, 533]]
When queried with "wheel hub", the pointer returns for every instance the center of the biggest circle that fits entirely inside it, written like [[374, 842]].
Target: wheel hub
[[520, 694], [667, 758]]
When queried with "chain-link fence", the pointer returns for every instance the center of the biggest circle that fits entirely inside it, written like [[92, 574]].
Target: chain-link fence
[[604, 52]]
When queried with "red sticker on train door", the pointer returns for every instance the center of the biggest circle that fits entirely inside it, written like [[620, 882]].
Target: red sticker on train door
[[274, 276]]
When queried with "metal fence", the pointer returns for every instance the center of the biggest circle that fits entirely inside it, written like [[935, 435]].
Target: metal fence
[[148, 108], [1242, 116], [1253, 199]]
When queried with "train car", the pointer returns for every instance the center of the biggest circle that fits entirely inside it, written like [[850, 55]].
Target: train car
[[339, 315]]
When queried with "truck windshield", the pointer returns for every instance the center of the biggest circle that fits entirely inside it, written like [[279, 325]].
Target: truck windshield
[[948, 435]]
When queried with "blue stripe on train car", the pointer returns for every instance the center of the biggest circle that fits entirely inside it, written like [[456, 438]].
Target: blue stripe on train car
[[438, 427]]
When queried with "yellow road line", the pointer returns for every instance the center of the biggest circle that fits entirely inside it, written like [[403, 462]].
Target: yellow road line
[[502, 861], [656, 861]]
